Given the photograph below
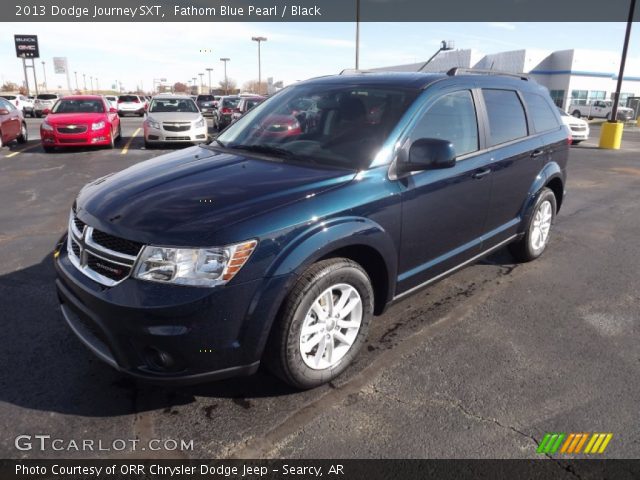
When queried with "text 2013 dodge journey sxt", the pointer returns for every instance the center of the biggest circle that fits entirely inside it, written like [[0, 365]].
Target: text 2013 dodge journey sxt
[[279, 241]]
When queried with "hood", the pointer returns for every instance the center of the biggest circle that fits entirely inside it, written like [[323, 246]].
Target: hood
[[184, 197], [174, 116], [68, 118]]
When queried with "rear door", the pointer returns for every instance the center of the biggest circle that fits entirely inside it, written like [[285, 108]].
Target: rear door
[[10, 121], [516, 158], [444, 210]]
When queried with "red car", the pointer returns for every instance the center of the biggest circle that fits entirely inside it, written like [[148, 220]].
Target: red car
[[80, 121], [12, 124]]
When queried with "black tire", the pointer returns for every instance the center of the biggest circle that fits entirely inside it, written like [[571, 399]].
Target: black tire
[[147, 145], [38, 115], [523, 250], [575, 142], [283, 355], [576, 113], [48, 149], [119, 136], [24, 135]]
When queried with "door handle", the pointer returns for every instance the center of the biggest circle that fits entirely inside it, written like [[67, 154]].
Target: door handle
[[537, 153], [481, 173]]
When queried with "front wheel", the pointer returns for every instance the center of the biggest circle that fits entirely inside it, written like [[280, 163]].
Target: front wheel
[[323, 323], [24, 135], [536, 237], [576, 113]]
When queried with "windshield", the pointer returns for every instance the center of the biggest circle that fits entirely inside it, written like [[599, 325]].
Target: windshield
[[205, 98], [128, 98], [46, 96], [78, 106], [8, 97], [173, 105], [340, 126], [230, 102]]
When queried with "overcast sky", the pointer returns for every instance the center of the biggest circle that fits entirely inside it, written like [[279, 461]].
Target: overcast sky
[[136, 53]]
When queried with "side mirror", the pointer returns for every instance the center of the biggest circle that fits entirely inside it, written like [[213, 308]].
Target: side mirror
[[113, 110], [429, 154], [46, 111], [4, 111]]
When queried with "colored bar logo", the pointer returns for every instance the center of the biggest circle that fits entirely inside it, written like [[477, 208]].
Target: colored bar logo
[[572, 443]]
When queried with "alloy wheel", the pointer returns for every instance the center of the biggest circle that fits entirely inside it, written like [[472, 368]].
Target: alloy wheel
[[541, 226], [331, 326]]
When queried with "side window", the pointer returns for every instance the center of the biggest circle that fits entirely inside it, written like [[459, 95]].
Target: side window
[[506, 116], [452, 117], [542, 116]]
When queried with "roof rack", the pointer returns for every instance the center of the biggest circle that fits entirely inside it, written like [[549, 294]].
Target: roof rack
[[352, 71], [478, 71]]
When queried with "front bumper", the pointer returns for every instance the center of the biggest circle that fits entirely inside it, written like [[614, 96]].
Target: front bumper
[[158, 135], [169, 333], [52, 138]]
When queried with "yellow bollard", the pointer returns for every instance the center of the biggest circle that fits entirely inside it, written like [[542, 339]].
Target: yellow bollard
[[611, 135]]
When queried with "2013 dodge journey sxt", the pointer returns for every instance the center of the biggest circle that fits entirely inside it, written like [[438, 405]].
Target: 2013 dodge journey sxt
[[281, 239]]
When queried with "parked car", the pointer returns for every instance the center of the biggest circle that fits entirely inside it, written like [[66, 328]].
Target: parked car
[[578, 127], [131, 105], [206, 104], [44, 101], [226, 106], [12, 124], [281, 250], [174, 119], [21, 102], [244, 105], [80, 121], [113, 101], [600, 109]]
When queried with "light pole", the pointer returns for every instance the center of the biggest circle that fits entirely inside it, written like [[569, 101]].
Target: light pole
[[44, 71], [91, 78], [445, 46], [194, 79], [226, 83], [259, 40], [76, 75], [84, 81], [209, 70], [201, 84]]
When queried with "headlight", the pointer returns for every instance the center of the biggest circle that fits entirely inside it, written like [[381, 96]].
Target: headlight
[[153, 124], [46, 126], [199, 123], [203, 267], [97, 126]]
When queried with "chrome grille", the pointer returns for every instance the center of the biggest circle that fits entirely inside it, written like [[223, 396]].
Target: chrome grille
[[102, 257], [72, 129], [176, 127], [578, 128]]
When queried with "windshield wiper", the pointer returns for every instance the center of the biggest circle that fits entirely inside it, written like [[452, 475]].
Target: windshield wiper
[[267, 149]]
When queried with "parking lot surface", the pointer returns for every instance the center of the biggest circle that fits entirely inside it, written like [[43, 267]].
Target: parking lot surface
[[482, 364]]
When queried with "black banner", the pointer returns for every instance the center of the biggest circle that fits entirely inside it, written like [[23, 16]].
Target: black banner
[[327, 469], [314, 11]]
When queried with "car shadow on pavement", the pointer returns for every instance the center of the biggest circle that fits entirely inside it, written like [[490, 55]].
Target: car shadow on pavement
[[45, 367]]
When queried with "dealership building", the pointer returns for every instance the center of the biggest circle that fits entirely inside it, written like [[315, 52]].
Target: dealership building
[[572, 76]]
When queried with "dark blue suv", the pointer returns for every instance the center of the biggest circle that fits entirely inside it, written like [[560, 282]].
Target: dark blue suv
[[280, 240]]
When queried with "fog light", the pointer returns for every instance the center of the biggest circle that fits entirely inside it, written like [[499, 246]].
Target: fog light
[[159, 360]]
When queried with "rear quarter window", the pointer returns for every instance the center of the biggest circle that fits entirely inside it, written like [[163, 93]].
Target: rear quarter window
[[506, 116], [540, 113]]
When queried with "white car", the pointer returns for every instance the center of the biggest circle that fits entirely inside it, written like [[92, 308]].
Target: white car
[[174, 119], [578, 127], [44, 101], [21, 102], [131, 105], [113, 101]]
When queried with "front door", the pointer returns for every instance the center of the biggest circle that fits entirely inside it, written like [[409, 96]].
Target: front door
[[444, 210]]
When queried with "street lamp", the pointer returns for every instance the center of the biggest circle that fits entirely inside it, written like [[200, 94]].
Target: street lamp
[[201, 84], [226, 83], [445, 46], [209, 70], [76, 75], [91, 78], [259, 40], [44, 71], [84, 80]]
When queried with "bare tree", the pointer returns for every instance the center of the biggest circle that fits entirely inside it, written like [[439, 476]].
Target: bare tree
[[253, 86]]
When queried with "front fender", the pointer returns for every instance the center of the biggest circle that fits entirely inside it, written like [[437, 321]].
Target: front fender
[[325, 237]]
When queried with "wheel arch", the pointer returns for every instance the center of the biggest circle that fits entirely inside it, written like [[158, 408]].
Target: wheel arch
[[552, 177]]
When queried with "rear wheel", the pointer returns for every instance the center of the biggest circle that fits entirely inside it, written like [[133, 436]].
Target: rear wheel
[[536, 237], [323, 324], [119, 136], [576, 113], [48, 149], [24, 135]]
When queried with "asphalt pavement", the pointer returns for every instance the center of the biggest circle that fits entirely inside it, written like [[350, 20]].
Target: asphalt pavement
[[480, 365]]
